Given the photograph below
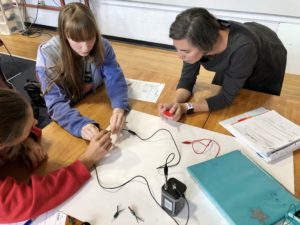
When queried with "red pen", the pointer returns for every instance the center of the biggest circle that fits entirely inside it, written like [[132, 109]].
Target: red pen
[[242, 119], [245, 118]]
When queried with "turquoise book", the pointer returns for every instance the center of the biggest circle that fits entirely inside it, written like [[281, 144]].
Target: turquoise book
[[242, 191]]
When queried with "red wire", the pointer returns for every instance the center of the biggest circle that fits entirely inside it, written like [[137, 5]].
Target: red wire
[[200, 141]]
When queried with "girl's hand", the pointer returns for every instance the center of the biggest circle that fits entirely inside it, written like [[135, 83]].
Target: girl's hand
[[89, 131], [117, 120], [97, 149], [34, 153]]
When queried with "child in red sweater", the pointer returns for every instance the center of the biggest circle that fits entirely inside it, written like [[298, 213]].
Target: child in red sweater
[[18, 138]]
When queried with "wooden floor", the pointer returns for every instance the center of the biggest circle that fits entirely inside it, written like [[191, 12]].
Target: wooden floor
[[133, 59]]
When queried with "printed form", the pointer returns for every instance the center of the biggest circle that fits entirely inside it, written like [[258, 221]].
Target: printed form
[[144, 90], [267, 132]]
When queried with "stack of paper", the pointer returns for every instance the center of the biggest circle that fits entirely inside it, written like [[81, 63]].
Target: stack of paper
[[269, 134]]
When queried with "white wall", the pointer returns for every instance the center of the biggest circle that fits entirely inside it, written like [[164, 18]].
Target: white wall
[[272, 7], [149, 20]]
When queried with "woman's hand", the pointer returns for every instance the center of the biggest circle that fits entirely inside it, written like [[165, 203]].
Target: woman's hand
[[97, 149], [89, 131], [117, 120], [34, 153], [175, 109]]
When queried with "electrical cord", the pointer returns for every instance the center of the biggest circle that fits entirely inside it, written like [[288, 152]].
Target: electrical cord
[[188, 210], [145, 139], [29, 30], [165, 166], [149, 189]]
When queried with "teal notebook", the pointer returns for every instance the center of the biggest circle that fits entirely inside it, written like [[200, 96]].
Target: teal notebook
[[243, 192]]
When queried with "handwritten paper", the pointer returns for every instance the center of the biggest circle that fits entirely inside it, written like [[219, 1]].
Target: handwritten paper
[[144, 90]]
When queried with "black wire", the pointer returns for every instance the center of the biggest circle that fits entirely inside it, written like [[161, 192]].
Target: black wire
[[167, 162], [131, 179], [188, 210], [28, 31], [160, 167]]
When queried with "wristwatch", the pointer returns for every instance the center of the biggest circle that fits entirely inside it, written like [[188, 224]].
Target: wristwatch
[[190, 108]]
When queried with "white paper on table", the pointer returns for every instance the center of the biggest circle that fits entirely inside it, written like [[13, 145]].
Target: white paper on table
[[144, 90], [131, 156], [51, 217]]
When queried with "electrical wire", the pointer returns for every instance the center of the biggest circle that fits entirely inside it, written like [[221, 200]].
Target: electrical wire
[[167, 161], [145, 139], [29, 31], [149, 189]]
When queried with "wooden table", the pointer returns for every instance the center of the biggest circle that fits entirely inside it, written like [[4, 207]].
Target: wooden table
[[64, 148]]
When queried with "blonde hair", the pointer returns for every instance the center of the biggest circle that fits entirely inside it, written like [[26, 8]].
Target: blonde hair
[[77, 22]]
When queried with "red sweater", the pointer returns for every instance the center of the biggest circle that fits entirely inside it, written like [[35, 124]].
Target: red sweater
[[21, 201]]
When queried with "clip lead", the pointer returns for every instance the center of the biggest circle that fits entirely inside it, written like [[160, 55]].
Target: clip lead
[[117, 213], [166, 176], [135, 215]]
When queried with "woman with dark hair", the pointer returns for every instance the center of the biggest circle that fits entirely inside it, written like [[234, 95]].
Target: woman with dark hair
[[18, 138], [76, 62], [247, 55]]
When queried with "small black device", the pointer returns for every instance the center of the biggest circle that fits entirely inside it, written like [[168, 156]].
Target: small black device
[[172, 196]]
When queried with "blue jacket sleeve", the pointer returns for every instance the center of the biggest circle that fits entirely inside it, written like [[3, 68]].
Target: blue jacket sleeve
[[114, 79], [58, 105]]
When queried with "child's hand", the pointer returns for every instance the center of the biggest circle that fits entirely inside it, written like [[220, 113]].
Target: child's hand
[[117, 120], [34, 153], [97, 149], [88, 131]]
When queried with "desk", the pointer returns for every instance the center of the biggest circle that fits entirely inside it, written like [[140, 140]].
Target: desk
[[58, 141], [64, 148]]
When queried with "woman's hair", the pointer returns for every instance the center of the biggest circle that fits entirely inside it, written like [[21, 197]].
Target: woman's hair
[[77, 22], [13, 114], [198, 26]]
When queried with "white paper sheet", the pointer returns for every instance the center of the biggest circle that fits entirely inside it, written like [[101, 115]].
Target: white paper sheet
[[131, 156], [144, 90], [51, 217]]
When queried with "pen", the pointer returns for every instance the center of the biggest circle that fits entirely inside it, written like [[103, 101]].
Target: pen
[[245, 118], [242, 119], [28, 222]]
